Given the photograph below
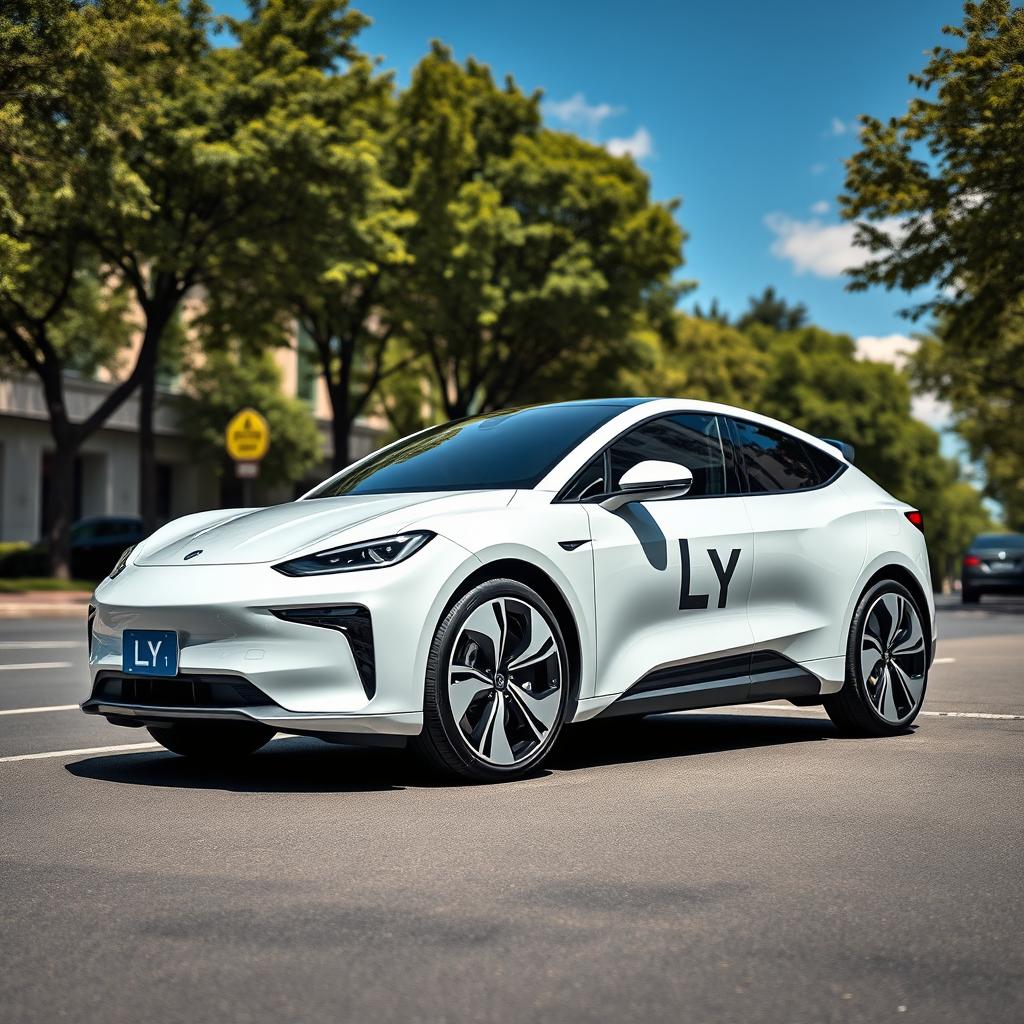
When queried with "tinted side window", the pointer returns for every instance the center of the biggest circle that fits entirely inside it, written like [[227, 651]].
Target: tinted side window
[[774, 461], [691, 440], [826, 466]]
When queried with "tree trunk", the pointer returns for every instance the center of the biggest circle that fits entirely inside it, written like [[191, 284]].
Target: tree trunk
[[147, 449], [341, 425], [157, 317], [61, 508]]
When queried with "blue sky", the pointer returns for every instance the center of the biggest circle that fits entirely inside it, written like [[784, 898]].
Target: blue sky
[[743, 110]]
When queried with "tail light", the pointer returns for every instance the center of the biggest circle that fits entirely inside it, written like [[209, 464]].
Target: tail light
[[916, 518], [971, 561]]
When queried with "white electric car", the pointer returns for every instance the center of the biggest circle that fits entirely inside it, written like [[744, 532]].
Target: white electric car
[[474, 587]]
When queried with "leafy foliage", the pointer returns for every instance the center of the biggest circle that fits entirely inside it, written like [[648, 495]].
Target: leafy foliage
[[941, 188], [772, 311], [225, 383], [338, 254], [532, 249], [985, 389], [66, 95], [952, 170]]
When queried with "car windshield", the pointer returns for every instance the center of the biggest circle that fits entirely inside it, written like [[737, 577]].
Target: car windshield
[[499, 451], [999, 540]]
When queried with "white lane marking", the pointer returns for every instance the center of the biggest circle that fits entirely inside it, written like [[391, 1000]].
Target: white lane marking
[[123, 748], [944, 661], [35, 665], [83, 750], [974, 714], [34, 711], [38, 645]]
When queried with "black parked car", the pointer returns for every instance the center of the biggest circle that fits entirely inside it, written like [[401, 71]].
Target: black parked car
[[993, 564], [97, 542]]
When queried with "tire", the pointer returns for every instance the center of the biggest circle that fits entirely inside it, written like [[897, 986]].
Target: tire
[[212, 741], [497, 711], [886, 664], [968, 595]]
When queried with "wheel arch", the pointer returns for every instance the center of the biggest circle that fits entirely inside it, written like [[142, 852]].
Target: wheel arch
[[901, 574], [537, 579]]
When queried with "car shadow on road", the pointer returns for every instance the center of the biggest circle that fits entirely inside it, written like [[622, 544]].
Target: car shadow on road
[[288, 765], [630, 740], [296, 765]]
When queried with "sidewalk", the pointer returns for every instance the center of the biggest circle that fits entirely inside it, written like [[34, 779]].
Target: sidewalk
[[45, 604]]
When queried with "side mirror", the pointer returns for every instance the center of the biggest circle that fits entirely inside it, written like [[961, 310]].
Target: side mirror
[[650, 481]]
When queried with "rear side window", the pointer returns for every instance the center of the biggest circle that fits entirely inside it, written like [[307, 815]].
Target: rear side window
[[775, 461], [826, 466]]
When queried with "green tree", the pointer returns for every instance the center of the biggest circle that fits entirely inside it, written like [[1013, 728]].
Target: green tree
[[226, 382], [337, 259], [982, 386], [772, 311], [227, 147], [714, 312], [940, 190], [533, 250], [64, 98], [699, 358]]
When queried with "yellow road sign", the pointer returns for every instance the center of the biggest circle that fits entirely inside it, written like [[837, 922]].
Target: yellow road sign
[[247, 436]]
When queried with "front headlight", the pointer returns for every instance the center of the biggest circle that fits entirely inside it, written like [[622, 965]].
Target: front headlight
[[370, 554], [122, 561]]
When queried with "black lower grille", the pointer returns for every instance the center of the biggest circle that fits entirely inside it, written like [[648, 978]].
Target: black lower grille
[[353, 620], [89, 623], [185, 691]]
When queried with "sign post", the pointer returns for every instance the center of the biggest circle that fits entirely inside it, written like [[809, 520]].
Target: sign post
[[247, 439]]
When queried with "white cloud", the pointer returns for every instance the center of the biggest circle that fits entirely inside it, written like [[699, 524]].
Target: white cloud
[[639, 145], [577, 113], [895, 349], [826, 250], [818, 168], [887, 348], [820, 207], [840, 127]]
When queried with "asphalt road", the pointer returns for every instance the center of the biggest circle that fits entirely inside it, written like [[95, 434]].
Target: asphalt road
[[743, 866]]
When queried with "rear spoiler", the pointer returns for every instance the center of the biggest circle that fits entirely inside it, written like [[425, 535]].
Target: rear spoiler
[[847, 449]]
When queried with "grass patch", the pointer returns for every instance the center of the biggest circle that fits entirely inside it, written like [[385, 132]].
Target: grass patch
[[21, 586]]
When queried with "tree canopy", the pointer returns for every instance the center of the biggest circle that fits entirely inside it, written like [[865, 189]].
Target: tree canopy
[[938, 192], [532, 249]]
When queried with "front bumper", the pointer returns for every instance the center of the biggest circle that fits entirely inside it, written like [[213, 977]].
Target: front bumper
[[309, 677]]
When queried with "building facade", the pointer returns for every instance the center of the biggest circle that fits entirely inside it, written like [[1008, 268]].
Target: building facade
[[107, 477]]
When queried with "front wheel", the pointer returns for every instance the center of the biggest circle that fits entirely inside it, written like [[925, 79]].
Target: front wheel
[[886, 665], [496, 684], [212, 741]]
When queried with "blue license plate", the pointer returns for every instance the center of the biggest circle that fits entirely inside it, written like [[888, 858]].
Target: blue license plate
[[149, 652]]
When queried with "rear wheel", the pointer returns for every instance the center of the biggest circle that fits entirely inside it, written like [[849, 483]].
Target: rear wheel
[[212, 741], [496, 684], [886, 664]]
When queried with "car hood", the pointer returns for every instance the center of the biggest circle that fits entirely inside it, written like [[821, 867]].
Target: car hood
[[242, 536]]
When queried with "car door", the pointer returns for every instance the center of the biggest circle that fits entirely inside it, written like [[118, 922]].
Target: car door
[[808, 550], [671, 577]]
